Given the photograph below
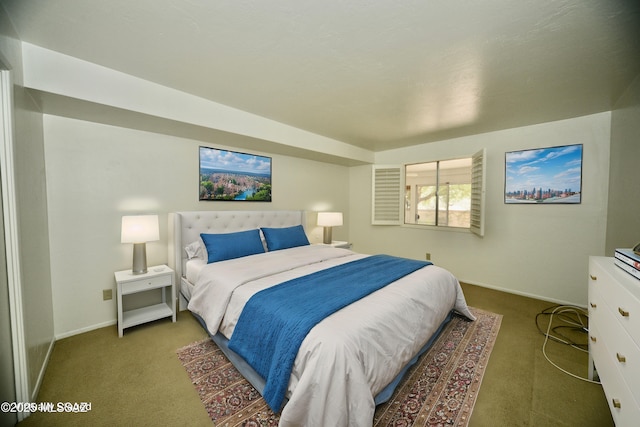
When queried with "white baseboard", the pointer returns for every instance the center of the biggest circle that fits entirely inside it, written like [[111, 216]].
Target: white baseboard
[[43, 369], [86, 329], [523, 294]]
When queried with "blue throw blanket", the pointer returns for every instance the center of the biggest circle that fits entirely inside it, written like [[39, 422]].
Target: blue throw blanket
[[275, 321]]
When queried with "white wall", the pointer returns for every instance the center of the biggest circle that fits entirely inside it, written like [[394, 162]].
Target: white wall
[[539, 250], [623, 221], [97, 173]]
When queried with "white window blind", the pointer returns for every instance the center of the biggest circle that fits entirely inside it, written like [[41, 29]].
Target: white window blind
[[478, 178], [388, 192]]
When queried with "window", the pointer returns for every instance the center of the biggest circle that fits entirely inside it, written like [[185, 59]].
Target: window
[[438, 193], [443, 193]]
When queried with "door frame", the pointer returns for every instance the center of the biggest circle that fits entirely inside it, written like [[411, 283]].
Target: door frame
[[11, 240]]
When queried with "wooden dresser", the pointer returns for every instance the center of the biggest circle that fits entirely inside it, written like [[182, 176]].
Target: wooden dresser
[[614, 337]]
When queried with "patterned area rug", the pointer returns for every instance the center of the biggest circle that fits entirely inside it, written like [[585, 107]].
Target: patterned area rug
[[440, 389]]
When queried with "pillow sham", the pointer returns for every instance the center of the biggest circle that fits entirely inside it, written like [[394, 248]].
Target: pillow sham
[[284, 238], [195, 250], [221, 247]]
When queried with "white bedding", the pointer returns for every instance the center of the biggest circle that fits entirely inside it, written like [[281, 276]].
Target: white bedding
[[353, 354], [193, 267]]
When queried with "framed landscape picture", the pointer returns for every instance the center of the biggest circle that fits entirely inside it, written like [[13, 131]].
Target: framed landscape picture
[[544, 175], [232, 176]]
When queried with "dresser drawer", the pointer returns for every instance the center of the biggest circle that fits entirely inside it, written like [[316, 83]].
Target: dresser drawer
[[620, 349], [623, 303], [146, 283], [624, 408]]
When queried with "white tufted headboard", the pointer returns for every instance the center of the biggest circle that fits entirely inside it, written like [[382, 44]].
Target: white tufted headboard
[[185, 228]]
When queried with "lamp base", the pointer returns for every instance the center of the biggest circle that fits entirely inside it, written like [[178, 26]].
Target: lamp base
[[326, 237], [139, 258]]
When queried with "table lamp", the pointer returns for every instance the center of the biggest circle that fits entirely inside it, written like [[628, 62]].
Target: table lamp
[[329, 220], [140, 229]]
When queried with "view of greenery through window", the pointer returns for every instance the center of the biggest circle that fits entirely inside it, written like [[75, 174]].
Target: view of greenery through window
[[442, 187]]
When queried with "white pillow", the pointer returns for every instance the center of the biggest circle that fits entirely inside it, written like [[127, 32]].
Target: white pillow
[[195, 250]]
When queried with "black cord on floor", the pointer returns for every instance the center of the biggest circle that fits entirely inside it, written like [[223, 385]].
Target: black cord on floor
[[576, 319]]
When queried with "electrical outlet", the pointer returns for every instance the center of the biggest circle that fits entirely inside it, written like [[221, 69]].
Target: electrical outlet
[[107, 294], [428, 256]]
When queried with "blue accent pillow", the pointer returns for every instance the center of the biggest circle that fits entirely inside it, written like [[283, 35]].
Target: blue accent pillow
[[225, 246], [284, 238]]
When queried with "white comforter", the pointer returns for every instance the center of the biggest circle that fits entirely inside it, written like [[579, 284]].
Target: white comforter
[[353, 354]]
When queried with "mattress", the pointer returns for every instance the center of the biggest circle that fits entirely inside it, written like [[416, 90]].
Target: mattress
[[193, 268]]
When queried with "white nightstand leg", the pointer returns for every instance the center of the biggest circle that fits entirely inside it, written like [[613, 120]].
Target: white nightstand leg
[[120, 325]]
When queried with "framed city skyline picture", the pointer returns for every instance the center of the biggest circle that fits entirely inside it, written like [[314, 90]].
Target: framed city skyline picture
[[233, 176], [544, 175]]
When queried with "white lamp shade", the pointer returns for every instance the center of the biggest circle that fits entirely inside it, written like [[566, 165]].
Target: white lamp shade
[[140, 229], [329, 219]]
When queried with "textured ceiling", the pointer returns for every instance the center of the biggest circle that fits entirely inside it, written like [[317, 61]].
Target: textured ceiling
[[376, 74]]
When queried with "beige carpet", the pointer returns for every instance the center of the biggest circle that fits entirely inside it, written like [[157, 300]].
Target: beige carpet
[[441, 389]]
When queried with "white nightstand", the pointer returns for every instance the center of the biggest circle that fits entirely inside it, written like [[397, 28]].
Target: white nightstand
[[158, 277], [338, 244]]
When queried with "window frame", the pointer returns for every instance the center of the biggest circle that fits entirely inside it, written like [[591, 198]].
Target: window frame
[[437, 185], [382, 189]]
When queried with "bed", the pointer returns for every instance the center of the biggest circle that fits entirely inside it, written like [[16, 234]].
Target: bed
[[346, 363]]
